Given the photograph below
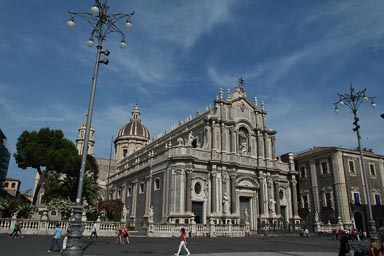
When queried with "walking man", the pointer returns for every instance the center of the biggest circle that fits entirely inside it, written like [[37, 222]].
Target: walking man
[[56, 239]]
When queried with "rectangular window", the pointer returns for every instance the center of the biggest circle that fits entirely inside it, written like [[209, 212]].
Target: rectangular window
[[356, 197], [372, 169], [377, 198], [328, 199], [324, 168], [351, 165], [302, 172]]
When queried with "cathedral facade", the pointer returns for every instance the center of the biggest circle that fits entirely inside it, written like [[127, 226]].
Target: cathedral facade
[[217, 167]]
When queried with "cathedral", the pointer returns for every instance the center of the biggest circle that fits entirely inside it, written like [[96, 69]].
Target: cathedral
[[218, 167]]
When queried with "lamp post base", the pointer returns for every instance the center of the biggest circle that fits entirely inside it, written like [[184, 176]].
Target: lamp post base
[[75, 232], [374, 236]]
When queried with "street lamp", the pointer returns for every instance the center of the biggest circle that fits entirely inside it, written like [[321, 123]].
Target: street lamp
[[102, 24], [353, 101]]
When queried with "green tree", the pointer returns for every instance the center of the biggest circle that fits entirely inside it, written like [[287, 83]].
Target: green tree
[[57, 162], [61, 205], [12, 205], [65, 186]]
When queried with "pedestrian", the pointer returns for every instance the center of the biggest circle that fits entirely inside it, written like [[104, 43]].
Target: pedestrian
[[126, 234], [301, 232], [94, 231], [19, 233], [65, 240], [265, 237], [344, 249], [15, 230], [375, 248], [119, 232], [183, 243], [56, 239], [306, 233]]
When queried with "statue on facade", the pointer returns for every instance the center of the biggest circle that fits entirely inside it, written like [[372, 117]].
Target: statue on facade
[[316, 217], [190, 138], [226, 201], [244, 146], [124, 215], [271, 206], [150, 214], [180, 141]]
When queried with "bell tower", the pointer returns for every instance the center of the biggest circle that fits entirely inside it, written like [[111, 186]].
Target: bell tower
[[81, 138]]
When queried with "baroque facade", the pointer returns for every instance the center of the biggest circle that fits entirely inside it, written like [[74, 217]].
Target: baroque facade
[[219, 167], [332, 188]]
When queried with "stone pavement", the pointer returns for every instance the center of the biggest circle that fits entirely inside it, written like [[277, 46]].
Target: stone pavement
[[249, 246]]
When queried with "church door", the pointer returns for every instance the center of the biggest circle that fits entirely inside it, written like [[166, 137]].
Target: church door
[[359, 222], [245, 203], [197, 209]]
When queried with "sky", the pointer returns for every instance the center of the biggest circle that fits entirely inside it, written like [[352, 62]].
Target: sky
[[293, 55]]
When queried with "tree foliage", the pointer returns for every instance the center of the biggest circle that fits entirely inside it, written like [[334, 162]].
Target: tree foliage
[[12, 205], [57, 162], [65, 186]]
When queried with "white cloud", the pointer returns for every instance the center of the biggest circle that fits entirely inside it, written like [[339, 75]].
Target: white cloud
[[183, 24]]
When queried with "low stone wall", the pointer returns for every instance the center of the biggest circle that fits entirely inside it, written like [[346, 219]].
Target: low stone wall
[[46, 227], [42, 227]]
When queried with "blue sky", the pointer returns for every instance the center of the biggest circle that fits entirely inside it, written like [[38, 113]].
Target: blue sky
[[293, 55]]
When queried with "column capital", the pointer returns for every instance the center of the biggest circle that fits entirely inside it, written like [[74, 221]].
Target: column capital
[[188, 170]]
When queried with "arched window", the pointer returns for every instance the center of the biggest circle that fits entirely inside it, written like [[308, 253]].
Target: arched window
[[141, 188], [157, 184]]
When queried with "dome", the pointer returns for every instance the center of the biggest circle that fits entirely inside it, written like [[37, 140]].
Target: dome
[[134, 128]]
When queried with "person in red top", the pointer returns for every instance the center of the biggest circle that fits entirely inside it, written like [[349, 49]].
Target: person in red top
[[183, 243]]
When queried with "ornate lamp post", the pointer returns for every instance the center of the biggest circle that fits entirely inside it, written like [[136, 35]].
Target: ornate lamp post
[[102, 24], [353, 101]]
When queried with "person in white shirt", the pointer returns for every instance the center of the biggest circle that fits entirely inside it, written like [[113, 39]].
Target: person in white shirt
[[94, 231]]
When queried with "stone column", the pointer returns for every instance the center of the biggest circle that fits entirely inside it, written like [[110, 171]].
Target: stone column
[[214, 192], [277, 197], [134, 200], [341, 192], [314, 187], [233, 143], [148, 182], [188, 199], [262, 197], [233, 193], [294, 198]]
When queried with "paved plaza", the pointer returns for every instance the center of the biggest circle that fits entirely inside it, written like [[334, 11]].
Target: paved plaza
[[275, 246]]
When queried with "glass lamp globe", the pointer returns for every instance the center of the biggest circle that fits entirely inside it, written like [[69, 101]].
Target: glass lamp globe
[[128, 25], [95, 10], [70, 23], [123, 44], [90, 43]]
